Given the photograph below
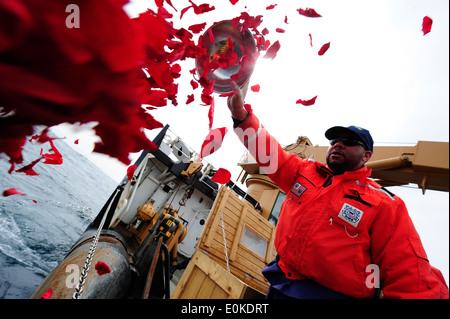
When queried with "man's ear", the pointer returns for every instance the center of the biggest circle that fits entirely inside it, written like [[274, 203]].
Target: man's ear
[[367, 155]]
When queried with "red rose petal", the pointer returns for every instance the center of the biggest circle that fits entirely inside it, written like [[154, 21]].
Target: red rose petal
[[102, 268], [309, 13], [211, 114], [233, 2], [426, 25], [272, 50], [47, 294], [271, 7], [255, 88], [155, 98], [324, 48], [280, 30], [221, 176], [310, 40], [130, 172], [28, 169], [307, 102], [190, 99], [197, 28], [12, 191], [213, 141], [194, 84], [198, 9]]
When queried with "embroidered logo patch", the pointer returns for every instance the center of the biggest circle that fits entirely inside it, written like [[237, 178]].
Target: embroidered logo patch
[[350, 214], [298, 189]]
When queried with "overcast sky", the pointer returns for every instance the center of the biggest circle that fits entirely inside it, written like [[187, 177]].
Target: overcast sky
[[380, 73]]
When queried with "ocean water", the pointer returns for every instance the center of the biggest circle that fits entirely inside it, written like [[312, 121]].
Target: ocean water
[[35, 236]]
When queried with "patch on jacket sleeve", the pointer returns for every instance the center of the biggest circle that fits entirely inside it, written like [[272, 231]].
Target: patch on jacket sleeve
[[350, 214], [298, 189]]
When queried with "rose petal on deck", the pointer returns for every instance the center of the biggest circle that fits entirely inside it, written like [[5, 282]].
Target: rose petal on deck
[[102, 268]]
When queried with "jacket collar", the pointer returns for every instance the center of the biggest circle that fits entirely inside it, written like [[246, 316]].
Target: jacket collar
[[325, 171]]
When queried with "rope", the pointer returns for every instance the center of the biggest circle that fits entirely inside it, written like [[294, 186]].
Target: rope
[[225, 241]]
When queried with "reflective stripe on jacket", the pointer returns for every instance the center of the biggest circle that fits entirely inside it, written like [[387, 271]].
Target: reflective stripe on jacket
[[341, 231]]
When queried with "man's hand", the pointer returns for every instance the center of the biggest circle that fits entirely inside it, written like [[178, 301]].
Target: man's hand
[[236, 102]]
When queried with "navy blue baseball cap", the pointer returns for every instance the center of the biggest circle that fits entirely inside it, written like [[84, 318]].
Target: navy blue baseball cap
[[357, 132]]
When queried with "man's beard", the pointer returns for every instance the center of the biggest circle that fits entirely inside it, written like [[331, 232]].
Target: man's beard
[[341, 167]]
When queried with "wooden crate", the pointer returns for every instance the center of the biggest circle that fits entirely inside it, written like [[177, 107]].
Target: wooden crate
[[239, 219], [205, 279]]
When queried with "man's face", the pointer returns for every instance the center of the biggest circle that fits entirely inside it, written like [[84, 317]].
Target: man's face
[[342, 158]]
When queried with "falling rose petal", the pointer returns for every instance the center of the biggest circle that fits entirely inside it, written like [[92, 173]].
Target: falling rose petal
[[213, 141], [426, 24], [34, 201], [198, 9], [265, 31], [12, 191], [76, 141], [194, 84], [221, 176], [271, 7], [280, 30], [190, 99], [197, 28], [309, 13], [130, 172], [211, 114], [255, 88], [324, 48], [233, 2], [310, 40], [286, 20], [272, 50], [307, 102], [102, 268], [207, 99], [28, 169], [156, 98], [55, 158], [103, 58], [47, 294]]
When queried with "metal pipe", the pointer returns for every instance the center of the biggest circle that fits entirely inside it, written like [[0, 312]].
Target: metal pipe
[[394, 162]]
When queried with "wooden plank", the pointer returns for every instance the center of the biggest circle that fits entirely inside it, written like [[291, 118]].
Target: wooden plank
[[239, 231], [183, 282], [232, 285], [195, 284], [207, 288], [219, 293], [217, 219], [270, 254]]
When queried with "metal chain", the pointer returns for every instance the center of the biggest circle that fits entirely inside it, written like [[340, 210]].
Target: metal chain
[[225, 241], [90, 256]]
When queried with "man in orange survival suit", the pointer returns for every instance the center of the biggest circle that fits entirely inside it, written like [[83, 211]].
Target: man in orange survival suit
[[339, 234]]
